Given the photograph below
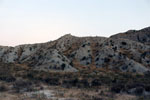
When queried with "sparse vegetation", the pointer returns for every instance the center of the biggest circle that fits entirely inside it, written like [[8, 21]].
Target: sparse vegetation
[[77, 69]]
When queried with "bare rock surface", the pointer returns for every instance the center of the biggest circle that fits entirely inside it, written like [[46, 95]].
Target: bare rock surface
[[127, 52]]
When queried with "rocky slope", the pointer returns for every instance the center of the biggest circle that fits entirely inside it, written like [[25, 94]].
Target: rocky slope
[[126, 52], [142, 36]]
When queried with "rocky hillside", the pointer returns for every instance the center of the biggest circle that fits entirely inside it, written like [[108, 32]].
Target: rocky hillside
[[142, 36], [126, 52]]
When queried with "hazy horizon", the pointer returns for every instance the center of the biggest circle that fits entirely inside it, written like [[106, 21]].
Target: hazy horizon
[[37, 21]]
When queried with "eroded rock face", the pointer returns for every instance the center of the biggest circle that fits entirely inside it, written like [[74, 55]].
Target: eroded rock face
[[123, 54], [142, 36], [127, 52]]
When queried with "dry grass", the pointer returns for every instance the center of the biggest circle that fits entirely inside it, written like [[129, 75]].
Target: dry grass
[[125, 97]]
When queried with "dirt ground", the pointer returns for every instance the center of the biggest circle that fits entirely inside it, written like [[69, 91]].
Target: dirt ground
[[60, 93]]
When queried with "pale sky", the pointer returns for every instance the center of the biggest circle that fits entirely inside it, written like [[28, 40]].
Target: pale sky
[[35, 21]]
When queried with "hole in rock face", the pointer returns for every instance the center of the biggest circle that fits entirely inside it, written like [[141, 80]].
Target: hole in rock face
[[97, 59], [83, 45], [84, 58], [87, 63], [124, 67], [133, 70], [106, 60], [63, 66], [123, 43]]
